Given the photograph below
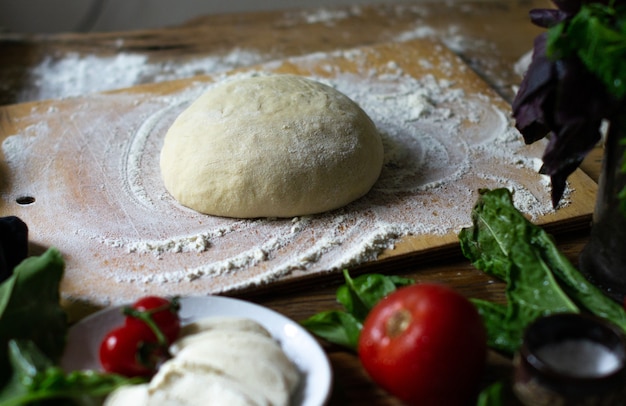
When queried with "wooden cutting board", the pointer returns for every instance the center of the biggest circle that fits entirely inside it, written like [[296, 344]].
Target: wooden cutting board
[[83, 173]]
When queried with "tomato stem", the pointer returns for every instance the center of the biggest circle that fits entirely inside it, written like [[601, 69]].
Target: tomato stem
[[398, 322], [146, 316]]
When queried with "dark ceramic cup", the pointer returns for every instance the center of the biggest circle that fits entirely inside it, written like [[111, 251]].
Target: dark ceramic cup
[[571, 359]]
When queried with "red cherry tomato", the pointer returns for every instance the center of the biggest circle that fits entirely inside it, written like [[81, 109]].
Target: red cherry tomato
[[128, 350], [425, 344], [165, 316], [134, 349]]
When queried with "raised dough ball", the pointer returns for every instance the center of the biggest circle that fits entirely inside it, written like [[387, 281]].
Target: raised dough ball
[[271, 146]]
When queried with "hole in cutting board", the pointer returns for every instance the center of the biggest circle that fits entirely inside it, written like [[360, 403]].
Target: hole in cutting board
[[25, 200]]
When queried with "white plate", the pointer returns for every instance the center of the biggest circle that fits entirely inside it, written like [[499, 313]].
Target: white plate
[[84, 340]]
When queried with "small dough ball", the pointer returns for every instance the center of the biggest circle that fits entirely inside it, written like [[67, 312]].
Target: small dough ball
[[270, 146]]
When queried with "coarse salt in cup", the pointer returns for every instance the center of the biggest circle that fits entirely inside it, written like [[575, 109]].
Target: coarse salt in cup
[[571, 359]]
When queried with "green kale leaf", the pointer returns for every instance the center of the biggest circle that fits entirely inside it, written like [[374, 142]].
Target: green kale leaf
[[540, 280], [30, 308]]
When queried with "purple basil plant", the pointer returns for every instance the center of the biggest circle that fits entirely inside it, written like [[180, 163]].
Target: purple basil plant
[[560, 98]]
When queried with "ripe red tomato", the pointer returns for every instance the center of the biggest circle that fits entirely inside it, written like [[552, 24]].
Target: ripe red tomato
[[164, 313], [134, 349], [128, 350], [425, 344]]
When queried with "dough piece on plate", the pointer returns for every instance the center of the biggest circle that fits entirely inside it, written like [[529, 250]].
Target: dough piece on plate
[[270, 146]]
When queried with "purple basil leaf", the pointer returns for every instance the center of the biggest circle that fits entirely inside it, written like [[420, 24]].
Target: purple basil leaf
[[566, 150], [580, 93], [530, 119], [561, 97], [569, 7], [546, 18], [540, 73], [535, 95]]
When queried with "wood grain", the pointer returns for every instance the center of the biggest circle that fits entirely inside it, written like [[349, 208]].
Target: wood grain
[[74, 157], [492, 35]]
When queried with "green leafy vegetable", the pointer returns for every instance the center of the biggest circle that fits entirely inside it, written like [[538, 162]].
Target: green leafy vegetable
[[30, 308], [335, 326], [504, 333], [575, 82], [36, 378], [597, 35], [540, 280], [360, 294], [357, 296], [492, 395]]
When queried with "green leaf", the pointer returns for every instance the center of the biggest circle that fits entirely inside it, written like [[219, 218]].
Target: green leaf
[[335, 326], [578, 288], [540, 279], [493, 395], [5, 293], [597, 35], [36, 378], [30, 308], [502, 334], [501, 243], [358, 296]]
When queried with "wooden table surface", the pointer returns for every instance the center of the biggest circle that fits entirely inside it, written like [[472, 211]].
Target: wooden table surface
[[490, 35]]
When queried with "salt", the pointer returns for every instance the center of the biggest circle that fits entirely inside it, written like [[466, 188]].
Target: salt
[[579, 358]]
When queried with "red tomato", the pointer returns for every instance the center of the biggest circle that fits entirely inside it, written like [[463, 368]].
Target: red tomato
[[425, 344], [134, 349], [129, 351], [164, 313]]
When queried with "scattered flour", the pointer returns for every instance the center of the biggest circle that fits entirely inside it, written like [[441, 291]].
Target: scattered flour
[[328, 16], [452, 37], [426, 187], [521, 66], [77, 74], [441, 146]]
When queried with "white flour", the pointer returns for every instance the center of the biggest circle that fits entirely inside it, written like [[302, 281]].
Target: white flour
[[77, 74], [441, 146], [328, 16], [424, 163]]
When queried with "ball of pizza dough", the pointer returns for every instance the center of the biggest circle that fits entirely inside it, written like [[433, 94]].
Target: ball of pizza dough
[[270, 146]]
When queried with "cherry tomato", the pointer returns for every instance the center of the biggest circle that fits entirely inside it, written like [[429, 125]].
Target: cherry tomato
[[134, 349], [129, 350], [425, 344], [165, 315]]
